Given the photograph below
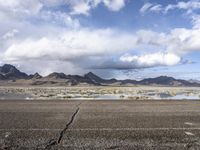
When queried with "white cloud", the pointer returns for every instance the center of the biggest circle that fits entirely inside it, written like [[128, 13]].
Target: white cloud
[[149, 7], [80, 44], [10, 34], [17, 8], [189, 6], [156, 8], [184, 41], [81, 8], [114, 5], [145, 7], [127, 61], [32, 18], [14, 12], [46, 67], [179, 40], [17, 11], [195, 21], [148, 37], [152, 60], [59, 18], [58, 36], [71, 44], [53, 35], [84, 6]]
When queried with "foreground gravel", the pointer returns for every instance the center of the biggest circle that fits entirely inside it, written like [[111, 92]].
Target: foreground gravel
[[119, 125]]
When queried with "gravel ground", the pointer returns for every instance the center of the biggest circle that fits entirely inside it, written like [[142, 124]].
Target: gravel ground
[[101, 125]]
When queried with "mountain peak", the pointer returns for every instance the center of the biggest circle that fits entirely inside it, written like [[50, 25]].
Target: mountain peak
[[165, 77], [11, 72], [90, 74], [37, 76], [57, 75], [8, 68], [93, 77]]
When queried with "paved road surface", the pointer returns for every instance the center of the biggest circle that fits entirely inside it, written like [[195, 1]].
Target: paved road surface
[[101, 125]]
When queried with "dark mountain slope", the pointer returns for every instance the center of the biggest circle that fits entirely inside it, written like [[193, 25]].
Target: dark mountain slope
[[35, 76], [166, 81], [9, 72]]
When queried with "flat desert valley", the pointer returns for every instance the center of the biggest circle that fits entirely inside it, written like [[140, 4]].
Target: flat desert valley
[[99, 93]]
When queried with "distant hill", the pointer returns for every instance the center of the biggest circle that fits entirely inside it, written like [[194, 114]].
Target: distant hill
[[35, 76], [11, 73], [167, 81], [194, 81]]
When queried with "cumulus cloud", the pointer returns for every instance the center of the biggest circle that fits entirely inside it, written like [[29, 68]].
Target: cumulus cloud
[[20, 8], [128, 61], [151, 60], [179, 41], [114, 5], [48, 10], [195, 21], [35, 30], [59, 18], [71, 45], [184, 40], [84, 6], [23, 12], [81, 8], [75, 45], [59, 37]]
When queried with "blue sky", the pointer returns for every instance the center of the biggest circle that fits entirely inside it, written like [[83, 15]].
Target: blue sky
[[113, 38]]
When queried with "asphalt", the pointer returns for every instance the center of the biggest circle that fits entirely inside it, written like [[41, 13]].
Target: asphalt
[[99, 125]]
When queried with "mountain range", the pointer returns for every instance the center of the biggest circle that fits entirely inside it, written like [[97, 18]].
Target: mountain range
[[9, 74]]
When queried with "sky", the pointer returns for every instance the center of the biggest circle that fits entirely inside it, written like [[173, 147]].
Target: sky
[[121, 39]]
